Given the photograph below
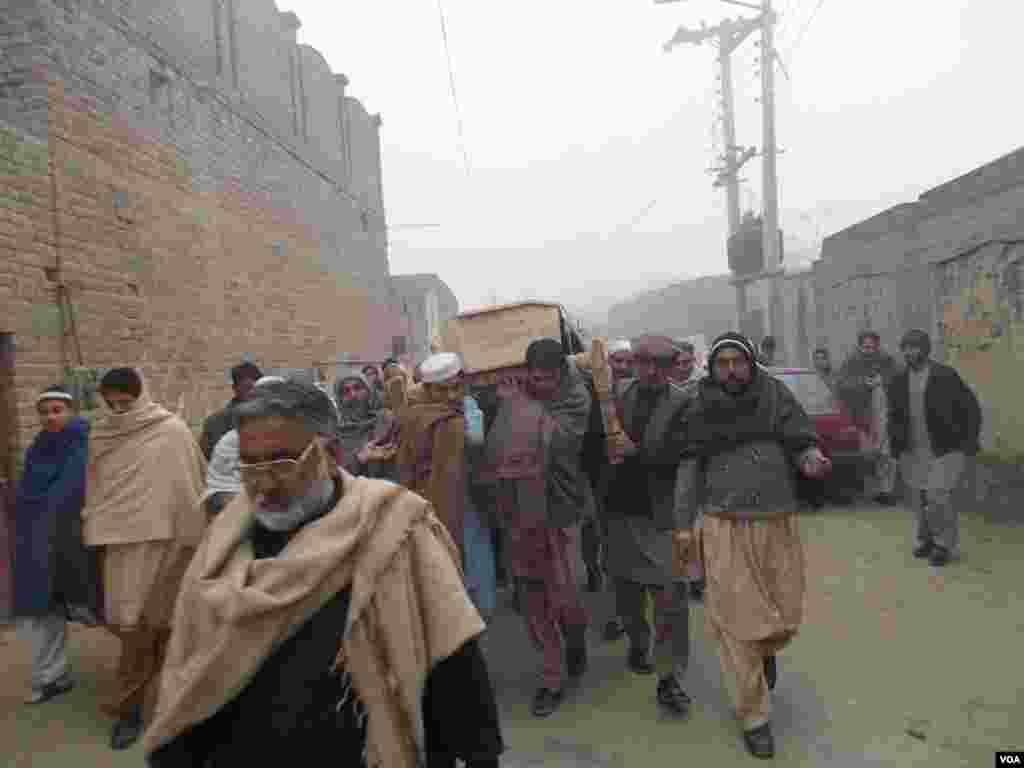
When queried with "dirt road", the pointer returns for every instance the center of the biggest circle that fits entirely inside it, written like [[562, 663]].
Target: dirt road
[[898, 664]]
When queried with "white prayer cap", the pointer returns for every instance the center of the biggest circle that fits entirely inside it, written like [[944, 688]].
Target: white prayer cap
[[441, 367], [270, 380], [619, 345]]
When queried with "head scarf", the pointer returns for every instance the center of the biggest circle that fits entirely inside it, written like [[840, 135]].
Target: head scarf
[[354, 411], [734, 340]]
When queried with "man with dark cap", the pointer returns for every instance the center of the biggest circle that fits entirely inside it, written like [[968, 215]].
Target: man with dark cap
[[643, 518], [532, 467], [934, 423], [746, 438], [243, 378]]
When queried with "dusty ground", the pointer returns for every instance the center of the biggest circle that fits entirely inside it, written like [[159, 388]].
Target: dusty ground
[[889, 645]]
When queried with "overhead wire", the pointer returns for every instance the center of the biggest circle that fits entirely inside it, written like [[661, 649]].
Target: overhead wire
[[803, 30], [451, 82]]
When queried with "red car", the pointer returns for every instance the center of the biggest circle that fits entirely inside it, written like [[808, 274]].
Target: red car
[[840, 439]]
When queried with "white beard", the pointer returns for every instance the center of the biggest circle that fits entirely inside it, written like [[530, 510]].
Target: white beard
[[299, 511]]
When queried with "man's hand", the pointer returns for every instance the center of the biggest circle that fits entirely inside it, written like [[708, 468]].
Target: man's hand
[[683, 545], [619, 447], [814, 464], [873, 382], [508, 387]]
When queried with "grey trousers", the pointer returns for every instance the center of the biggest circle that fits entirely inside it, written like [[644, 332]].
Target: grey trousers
[[630, 604], [937, 519], [47, 636]]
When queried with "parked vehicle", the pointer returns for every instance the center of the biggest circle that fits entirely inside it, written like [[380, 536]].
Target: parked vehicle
[[840, 440]]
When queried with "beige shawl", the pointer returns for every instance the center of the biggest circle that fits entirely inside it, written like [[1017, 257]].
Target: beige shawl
[[146, 476], [409, 611]]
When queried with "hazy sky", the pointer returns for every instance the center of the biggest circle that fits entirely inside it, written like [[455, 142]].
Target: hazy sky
[[576, 123]]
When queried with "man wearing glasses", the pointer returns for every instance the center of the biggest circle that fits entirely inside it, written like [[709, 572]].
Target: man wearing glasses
[[323, 615]]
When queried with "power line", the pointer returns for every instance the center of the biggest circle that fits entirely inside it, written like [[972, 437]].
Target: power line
[[451, 83], [806, 26]]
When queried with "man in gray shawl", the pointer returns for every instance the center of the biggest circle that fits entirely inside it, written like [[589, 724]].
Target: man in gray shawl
[[642, 516], [362, 424], [532, 464]]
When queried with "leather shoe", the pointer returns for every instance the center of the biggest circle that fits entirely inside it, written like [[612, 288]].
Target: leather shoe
[[923, 550], [760, 742], [613, 630], [545, 702], [126, 732], [576, 661], [639, 662], [940, 556]]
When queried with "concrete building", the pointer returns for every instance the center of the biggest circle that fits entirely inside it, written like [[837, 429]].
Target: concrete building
[[948, 263], [427, 304], [181, 184]]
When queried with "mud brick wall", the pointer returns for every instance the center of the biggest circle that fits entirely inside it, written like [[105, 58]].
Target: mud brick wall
[[193, 212]]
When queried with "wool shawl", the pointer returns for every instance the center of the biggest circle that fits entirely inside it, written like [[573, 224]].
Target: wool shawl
[[50, 557], [432, 460], [409, 610], [530, 439], [146, 477], [718, 422]]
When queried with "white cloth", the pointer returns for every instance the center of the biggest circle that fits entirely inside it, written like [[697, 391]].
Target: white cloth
[[222, 474], [48, 637]]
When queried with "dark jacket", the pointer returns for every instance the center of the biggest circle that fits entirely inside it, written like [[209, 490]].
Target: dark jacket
[[741, 453], [52, 566], [644, 484], [217, 425], [951, 411]]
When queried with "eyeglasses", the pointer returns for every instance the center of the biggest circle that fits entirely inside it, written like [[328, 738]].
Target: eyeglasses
[[280, 470]]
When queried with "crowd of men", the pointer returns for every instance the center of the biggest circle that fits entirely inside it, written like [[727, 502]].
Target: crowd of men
[[314, 575]]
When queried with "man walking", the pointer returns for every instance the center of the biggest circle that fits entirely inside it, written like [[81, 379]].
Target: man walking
[[935, 423], [643, 518], [862, 384], [745, 433], [55, 574], [323, 619], [142, 512], [243, 378], [532, 461], [439, 447]]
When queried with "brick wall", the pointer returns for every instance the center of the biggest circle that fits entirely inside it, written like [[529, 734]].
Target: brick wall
[[188, 227]]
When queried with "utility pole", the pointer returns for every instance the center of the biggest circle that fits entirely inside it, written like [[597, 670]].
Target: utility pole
[[727, 36], [770, 183]]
